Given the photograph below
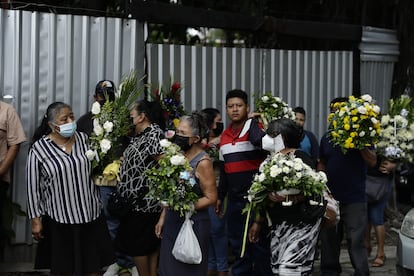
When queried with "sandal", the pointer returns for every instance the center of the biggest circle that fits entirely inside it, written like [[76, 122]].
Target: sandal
[[379, 261]]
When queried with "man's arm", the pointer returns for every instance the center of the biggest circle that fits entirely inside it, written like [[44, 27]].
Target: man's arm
[[369, 156], [7, 162], [321, 166]]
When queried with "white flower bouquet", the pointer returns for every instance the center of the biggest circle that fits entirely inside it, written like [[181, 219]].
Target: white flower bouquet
[[171, 182], [111, 122], [355, 123], [284, 174], [272, 108], [397, 133]]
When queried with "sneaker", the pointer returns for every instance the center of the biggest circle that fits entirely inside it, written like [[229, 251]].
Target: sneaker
[[112, 270], [133, 271]]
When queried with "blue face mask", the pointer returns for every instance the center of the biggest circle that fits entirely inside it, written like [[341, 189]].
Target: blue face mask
[[67, 130]]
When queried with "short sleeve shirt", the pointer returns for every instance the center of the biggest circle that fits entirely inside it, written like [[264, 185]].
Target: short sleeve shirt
[[11, 131], [346, 172], [138, 157]]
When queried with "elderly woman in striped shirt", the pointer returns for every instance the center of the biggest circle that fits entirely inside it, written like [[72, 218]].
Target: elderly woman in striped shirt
[[63, 203]]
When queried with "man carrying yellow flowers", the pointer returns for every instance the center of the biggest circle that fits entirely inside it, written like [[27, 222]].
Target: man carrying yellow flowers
[[346, 151]]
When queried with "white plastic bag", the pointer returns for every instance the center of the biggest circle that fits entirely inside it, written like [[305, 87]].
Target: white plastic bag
[[186, 247]]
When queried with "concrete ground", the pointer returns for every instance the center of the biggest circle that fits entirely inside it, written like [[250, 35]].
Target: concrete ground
[[26, 269], [389, 269]]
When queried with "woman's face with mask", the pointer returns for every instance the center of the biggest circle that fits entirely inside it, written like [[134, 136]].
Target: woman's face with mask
[[217, 127], [184, 137]]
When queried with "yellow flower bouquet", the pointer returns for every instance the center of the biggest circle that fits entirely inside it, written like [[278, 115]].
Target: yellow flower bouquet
[[355, 124]]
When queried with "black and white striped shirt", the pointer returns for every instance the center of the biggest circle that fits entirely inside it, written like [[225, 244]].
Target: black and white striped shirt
[[59, 184]]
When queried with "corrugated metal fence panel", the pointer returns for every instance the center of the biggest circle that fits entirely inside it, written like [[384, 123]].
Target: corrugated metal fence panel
[[376, 80], [379, 51], [306, 78], [47, 57], [310, 79]]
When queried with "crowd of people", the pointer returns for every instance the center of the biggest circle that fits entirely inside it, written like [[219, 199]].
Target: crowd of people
[[77, 235]]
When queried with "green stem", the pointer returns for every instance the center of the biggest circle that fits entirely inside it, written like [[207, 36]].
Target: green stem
[[246, 227]]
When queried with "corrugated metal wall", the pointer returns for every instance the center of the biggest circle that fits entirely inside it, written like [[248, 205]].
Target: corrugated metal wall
[[47, 57], [306, 78], [379, 51]]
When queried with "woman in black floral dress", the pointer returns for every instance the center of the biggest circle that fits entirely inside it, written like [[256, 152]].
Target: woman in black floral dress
[[136, 236]]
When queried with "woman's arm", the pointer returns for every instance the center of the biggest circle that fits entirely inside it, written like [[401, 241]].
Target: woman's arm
[[205, 174], [160, 224]]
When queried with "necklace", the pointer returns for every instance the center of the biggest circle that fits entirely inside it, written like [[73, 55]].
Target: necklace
[[63, 146]]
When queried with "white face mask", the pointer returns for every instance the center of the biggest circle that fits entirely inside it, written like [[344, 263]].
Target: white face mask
[[273, 144]]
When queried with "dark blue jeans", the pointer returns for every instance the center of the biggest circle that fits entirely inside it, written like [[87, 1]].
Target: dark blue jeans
[[256, 259], [113, 223], [354, 223], [218, 243]]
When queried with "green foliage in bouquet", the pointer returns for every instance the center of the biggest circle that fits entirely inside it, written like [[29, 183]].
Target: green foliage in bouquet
[[272, 108], [171, 182], [111, 122]]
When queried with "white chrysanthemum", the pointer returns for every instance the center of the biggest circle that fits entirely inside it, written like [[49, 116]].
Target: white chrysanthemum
[[298, 166], [275, 105], [275, 171], [385, 120], [289, 163], [105, 145], [323, 176], [262, 177], [366, 97], [165, 143], [279, 100], [376, 109], [362, 134], [362, 110], [374, 120], [98, 130], [96, 108], [298, 174], [286, 169], [373, 133], [177, 160], [108, 126], [90, 154], [265, 98]]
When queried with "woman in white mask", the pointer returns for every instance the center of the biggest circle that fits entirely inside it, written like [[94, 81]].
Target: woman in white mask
[[294, 230], [63, 203]]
